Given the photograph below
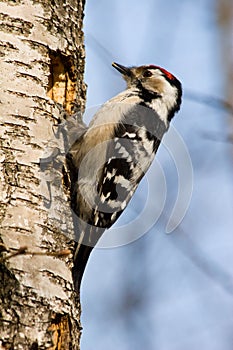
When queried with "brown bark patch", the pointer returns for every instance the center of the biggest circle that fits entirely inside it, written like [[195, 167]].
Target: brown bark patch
[[60, 328], [62, 80]]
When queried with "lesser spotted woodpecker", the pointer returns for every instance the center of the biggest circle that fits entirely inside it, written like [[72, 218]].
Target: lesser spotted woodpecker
[[108, 161]]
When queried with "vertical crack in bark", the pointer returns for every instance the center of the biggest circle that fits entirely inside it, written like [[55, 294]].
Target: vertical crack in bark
[[62, 80]]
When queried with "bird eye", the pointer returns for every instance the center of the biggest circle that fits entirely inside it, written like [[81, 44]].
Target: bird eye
[[147, 74]]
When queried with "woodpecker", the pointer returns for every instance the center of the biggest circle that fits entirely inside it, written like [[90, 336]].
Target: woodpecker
[[112, 155]]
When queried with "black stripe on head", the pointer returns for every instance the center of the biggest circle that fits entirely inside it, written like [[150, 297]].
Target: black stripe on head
[[146, 95]]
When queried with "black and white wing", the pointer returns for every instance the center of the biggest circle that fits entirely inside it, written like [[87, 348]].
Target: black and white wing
[[108, 176]]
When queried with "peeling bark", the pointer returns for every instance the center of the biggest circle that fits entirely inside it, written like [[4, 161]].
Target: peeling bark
[[42, 62]]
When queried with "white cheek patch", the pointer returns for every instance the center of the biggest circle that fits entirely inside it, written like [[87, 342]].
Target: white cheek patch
[[163, 105]]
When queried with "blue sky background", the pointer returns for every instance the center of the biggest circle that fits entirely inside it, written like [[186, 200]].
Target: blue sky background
[[165, 291]]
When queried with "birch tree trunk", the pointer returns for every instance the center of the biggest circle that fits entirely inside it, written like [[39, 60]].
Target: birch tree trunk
[[42, 62]]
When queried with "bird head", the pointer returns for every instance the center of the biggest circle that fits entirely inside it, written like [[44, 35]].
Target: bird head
[[154, 84]]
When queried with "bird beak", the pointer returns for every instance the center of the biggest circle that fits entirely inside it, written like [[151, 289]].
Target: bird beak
[[123, 70]]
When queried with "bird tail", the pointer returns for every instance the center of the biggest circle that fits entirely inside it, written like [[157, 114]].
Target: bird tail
[[85, 243], [81, 257]]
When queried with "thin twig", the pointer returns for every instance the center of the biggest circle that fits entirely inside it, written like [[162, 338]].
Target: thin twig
[[24, 251]]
